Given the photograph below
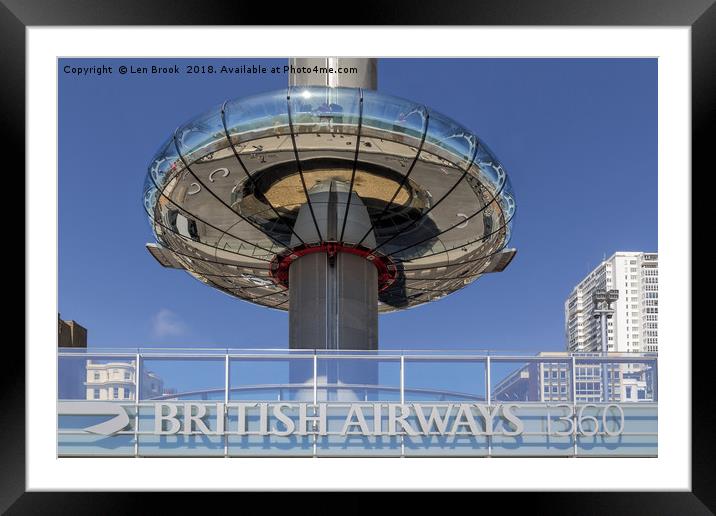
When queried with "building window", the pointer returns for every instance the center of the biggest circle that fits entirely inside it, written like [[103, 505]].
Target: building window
[[115, 392], [95, 394]]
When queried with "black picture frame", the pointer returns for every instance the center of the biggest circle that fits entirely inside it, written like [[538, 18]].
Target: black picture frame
[[700, 15]]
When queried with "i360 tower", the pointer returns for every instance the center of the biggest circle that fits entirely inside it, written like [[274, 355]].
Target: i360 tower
[[329, 200]]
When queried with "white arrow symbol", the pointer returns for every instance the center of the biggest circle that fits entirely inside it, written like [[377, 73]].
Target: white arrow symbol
[[83, 408]]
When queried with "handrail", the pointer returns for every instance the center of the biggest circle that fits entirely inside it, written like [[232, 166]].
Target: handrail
[[344, 353]]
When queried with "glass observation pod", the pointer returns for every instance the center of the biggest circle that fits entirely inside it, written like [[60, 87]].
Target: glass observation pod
[[224, 191]]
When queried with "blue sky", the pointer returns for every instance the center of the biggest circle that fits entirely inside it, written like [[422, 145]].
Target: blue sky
[[578, 138]]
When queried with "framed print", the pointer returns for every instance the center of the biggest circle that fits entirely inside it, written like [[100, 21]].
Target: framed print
[[321, 181]]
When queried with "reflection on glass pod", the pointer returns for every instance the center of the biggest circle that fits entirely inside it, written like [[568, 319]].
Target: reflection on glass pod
[[457, 143], [316, 110], [264, 114], [400, 117], [165, 163], [200, 137]]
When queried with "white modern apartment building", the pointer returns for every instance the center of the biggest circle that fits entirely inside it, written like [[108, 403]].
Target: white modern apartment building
[[116, 381], [634, 326], [546, 381]]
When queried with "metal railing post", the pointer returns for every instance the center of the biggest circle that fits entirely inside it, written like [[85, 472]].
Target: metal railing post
[[137, 375], [488, 398], [488, 386], [315, 401], [402, 378], [574, 403], [402, 397], [226, 402], [315, 378]]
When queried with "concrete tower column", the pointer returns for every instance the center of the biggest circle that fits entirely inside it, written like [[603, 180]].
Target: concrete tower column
[[333, 296], [366, 75], [333, 293]]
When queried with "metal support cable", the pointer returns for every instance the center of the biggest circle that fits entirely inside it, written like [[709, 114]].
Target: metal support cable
[[423, 215], [211, 226], [457, 264], [193, 257], [446, 278], [461, 222], [403, 180], [355, 163], [248, 174], [298, 164], [201, 183]]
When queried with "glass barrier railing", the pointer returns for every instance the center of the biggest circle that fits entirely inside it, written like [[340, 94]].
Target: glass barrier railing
[[185, 373]]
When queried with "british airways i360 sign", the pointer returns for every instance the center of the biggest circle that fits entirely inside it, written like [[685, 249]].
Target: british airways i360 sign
[[290, 428]]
